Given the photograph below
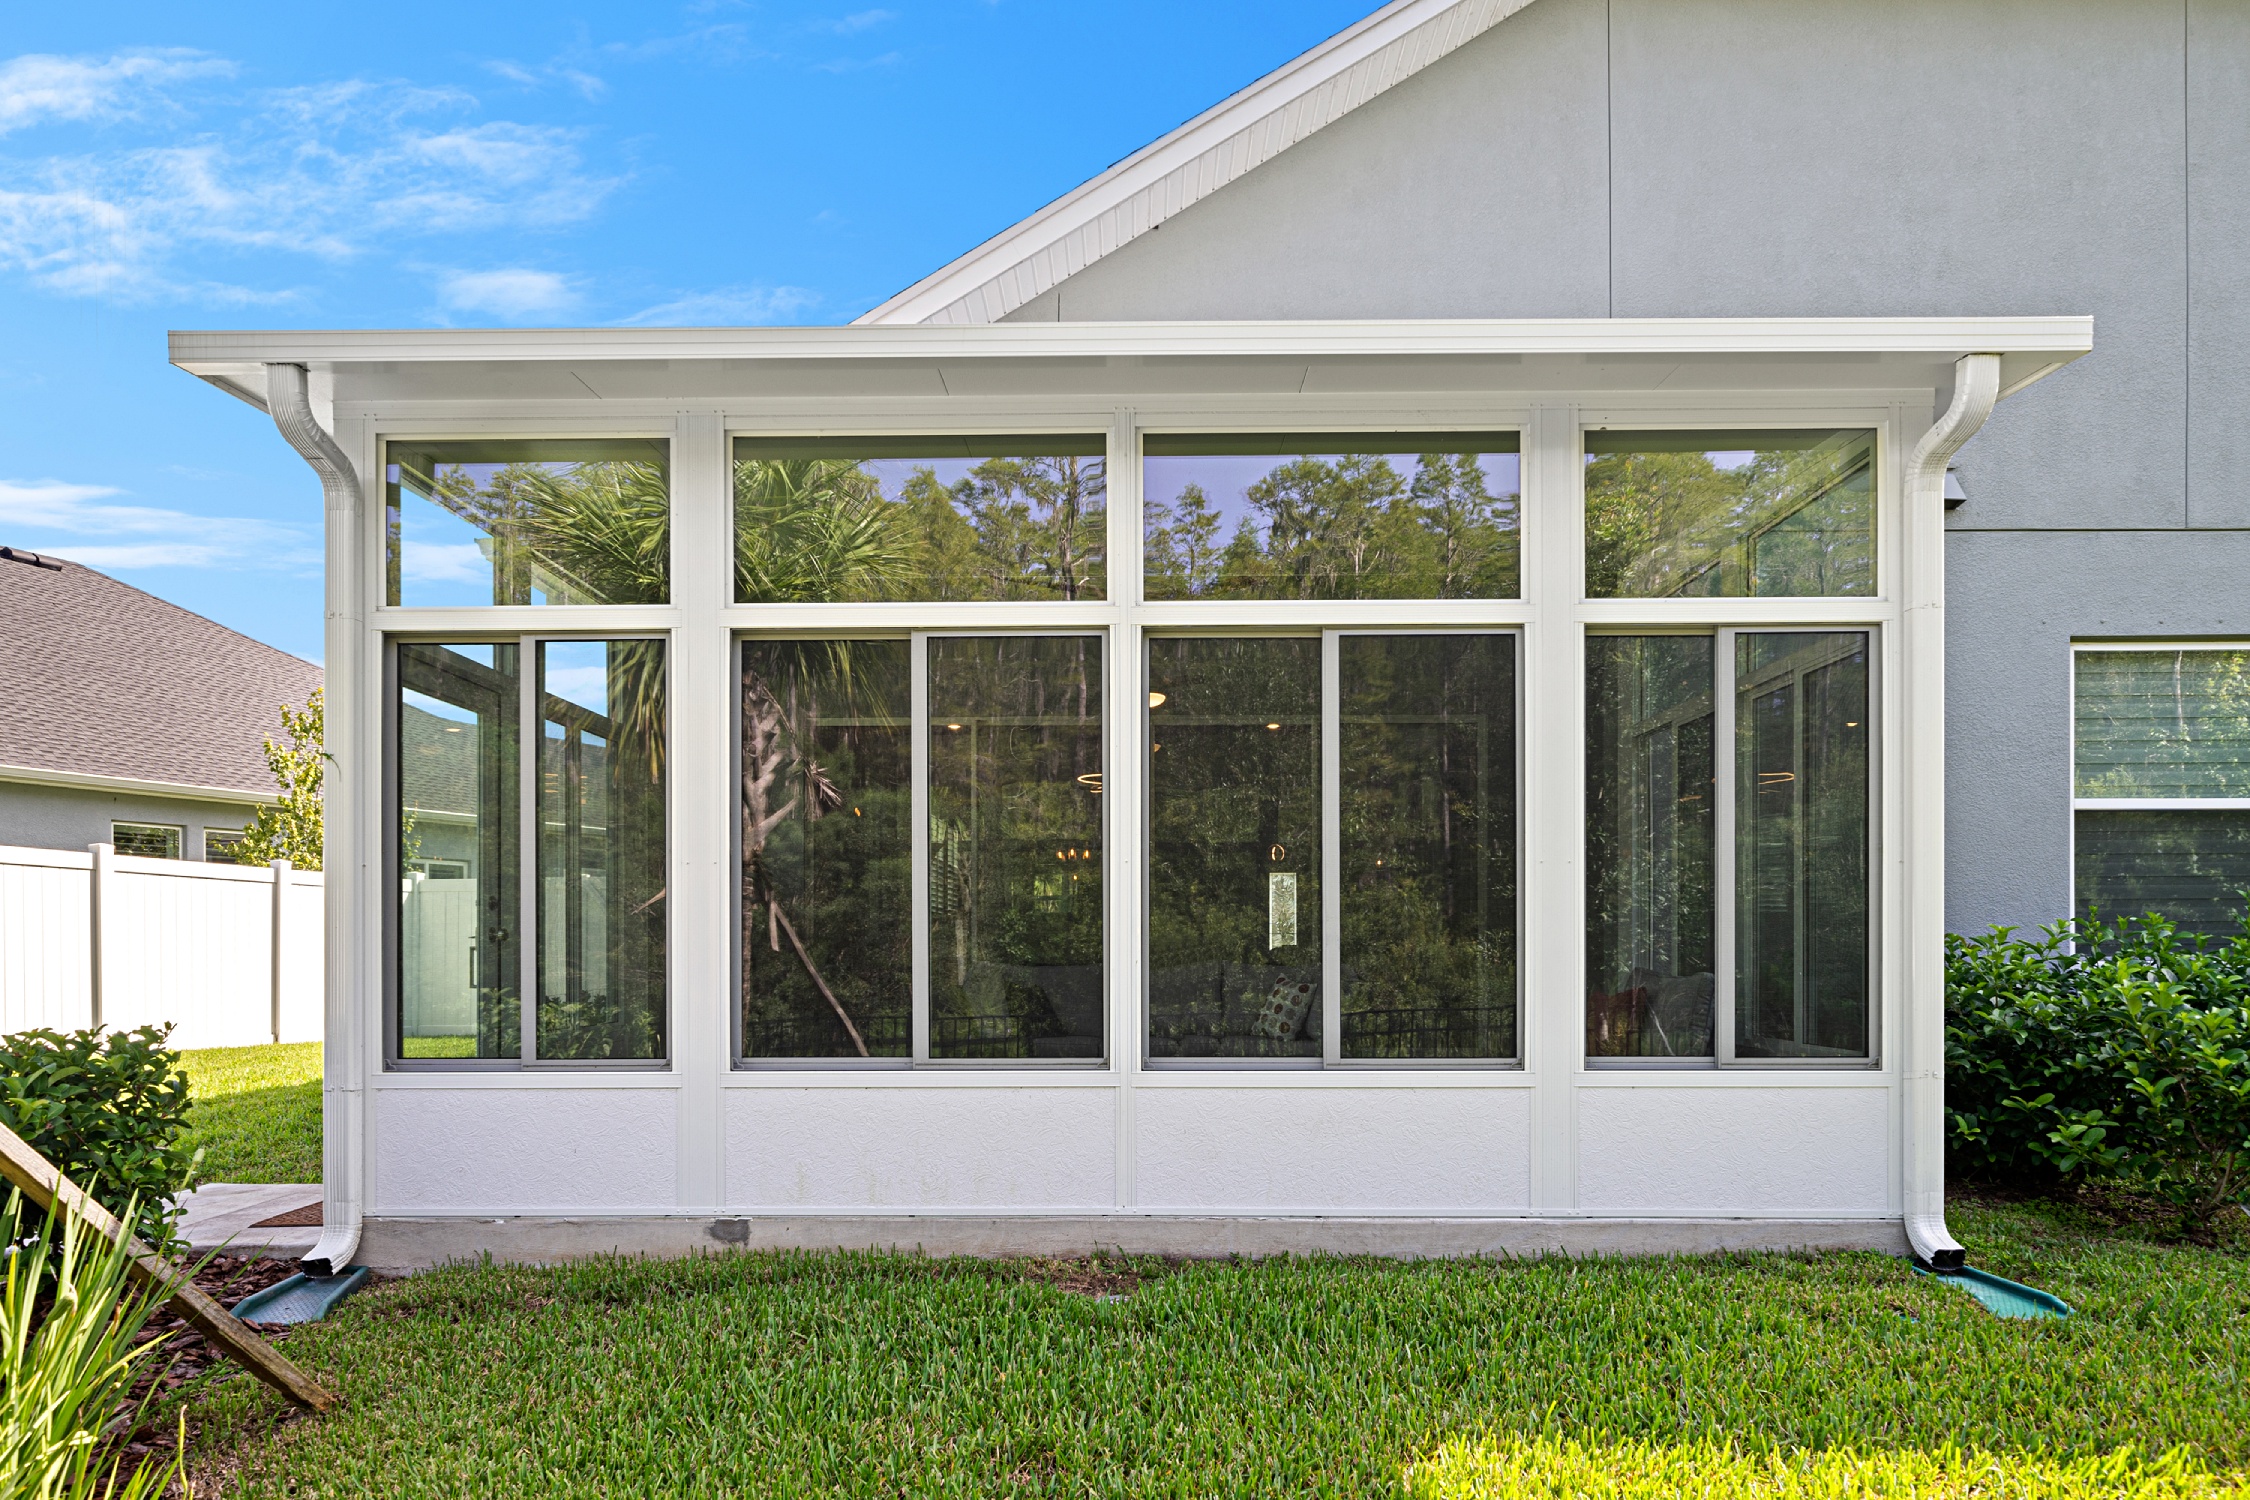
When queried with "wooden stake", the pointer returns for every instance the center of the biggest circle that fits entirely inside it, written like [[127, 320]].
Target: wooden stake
[[44, 1185]]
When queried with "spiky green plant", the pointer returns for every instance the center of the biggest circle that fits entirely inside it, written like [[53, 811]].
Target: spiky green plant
[[70, 1321]]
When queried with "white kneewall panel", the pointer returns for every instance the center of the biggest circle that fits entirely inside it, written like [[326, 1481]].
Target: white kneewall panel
[[1761, 1148], [1333, 1150], [921, 1149], [562, 1150]]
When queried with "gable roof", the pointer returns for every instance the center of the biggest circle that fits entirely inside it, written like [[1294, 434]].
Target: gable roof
[[104, 684], [1223, 143]]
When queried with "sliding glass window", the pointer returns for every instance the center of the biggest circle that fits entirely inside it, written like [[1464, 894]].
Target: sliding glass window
[[1332, 515], [1729, 846], [922, 849], [2163, 784], [558, 836], [1684, 515], [1332, 848], [537, 521], [855, 520]]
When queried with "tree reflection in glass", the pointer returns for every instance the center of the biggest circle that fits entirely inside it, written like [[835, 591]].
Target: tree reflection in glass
[[1332, 516], [1234, 848], [1651, 933], [827, 948], [1730, 514], [601, 856], [1801, 844], [1428, 825], [1015, 827]]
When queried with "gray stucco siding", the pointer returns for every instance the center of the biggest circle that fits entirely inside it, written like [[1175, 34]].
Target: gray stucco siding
[[37, 816], [1736, 158]]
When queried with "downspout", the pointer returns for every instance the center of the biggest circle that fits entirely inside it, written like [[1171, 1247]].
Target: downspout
[[289, 399], [1976, 388]]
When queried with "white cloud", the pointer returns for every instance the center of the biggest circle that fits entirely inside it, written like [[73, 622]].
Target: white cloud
[[515, 294], [327, 172], [443, 562], [858, 21], [90, 531], [38, 87], [728, 307]]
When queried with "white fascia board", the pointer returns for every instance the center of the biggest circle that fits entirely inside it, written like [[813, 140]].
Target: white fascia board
[[184, 791], [237, 356], [1238, 134]]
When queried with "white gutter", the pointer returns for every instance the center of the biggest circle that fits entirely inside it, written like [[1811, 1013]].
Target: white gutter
[[90, 781], [289, 398], [1976, 389]]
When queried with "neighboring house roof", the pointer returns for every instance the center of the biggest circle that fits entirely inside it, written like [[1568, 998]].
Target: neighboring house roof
[[1208, 152], [437, 762], [103, 685]]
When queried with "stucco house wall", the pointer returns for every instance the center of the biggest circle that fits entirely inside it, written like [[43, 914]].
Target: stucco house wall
[[1740, 158], [60, 817]]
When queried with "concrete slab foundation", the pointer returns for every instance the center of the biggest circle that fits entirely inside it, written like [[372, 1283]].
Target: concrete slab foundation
[[409, 1244], [220, 1215]]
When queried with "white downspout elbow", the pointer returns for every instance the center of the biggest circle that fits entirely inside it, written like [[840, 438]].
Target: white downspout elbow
[[289, 400], [1976, 389]]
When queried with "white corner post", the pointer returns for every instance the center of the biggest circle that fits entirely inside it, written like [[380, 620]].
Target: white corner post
[[1976, 388], [98, 877], [343, 1096]]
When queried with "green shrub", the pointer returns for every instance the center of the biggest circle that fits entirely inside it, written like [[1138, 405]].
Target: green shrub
[[70, 1325], [108, 1108], [2100, 1050]]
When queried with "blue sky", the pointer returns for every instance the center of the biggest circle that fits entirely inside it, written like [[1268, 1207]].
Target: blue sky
[[415, 165]]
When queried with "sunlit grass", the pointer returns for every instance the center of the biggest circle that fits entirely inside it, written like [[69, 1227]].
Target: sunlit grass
[[764, 1374], [256, 1112]]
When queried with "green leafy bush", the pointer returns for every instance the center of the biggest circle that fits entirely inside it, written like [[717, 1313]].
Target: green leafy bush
[[70, 1352], [108, 1108], [2097, 1050]]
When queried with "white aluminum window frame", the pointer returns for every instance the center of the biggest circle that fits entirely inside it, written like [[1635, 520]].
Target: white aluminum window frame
[[2080, 804], [528, 744]]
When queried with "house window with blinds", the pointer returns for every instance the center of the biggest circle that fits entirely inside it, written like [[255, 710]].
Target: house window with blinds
[[2162, 783]]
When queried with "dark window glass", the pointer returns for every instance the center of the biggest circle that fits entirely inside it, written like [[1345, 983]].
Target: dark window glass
[[854, 520], [460, 906], [1427, 762], [1729, 514], [827, 850], [2190, 867], [1651, 934], [1801, 844], [1234, 848], [1015, 887], [1332, 516], [544, 521], [145, 840], [601, 863]]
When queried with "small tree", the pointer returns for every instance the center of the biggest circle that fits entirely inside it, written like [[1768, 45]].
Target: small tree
[[290, 828]]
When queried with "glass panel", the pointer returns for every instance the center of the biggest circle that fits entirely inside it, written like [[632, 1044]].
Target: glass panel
[[830, 520], [601, 850], [2191, 867], [145, 840], [220, 845], [1332, 515], [2164, 723], [1234, 848], [827, 850], [1428, 771], [1801, 844], [1651, 934], [460, 817], [1692, 514], [1015, 895], [536, 522]]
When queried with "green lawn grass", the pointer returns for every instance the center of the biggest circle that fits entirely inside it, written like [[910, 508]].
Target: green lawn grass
[[767, 1374], [255, 1112]]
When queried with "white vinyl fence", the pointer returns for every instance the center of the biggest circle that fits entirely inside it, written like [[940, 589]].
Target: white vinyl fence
[[229, 955]]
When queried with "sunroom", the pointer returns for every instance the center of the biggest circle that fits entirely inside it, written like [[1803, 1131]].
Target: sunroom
[[1416, 787]]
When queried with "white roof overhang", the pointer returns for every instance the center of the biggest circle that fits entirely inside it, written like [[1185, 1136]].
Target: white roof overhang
[[1124, 361]]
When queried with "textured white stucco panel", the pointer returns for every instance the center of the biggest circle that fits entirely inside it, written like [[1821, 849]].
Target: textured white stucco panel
[[1756, 1149], [561, 1150], [1334, 1150], [952, 1148]]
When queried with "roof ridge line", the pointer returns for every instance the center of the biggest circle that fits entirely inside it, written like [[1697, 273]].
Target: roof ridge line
[[1162, 179]]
